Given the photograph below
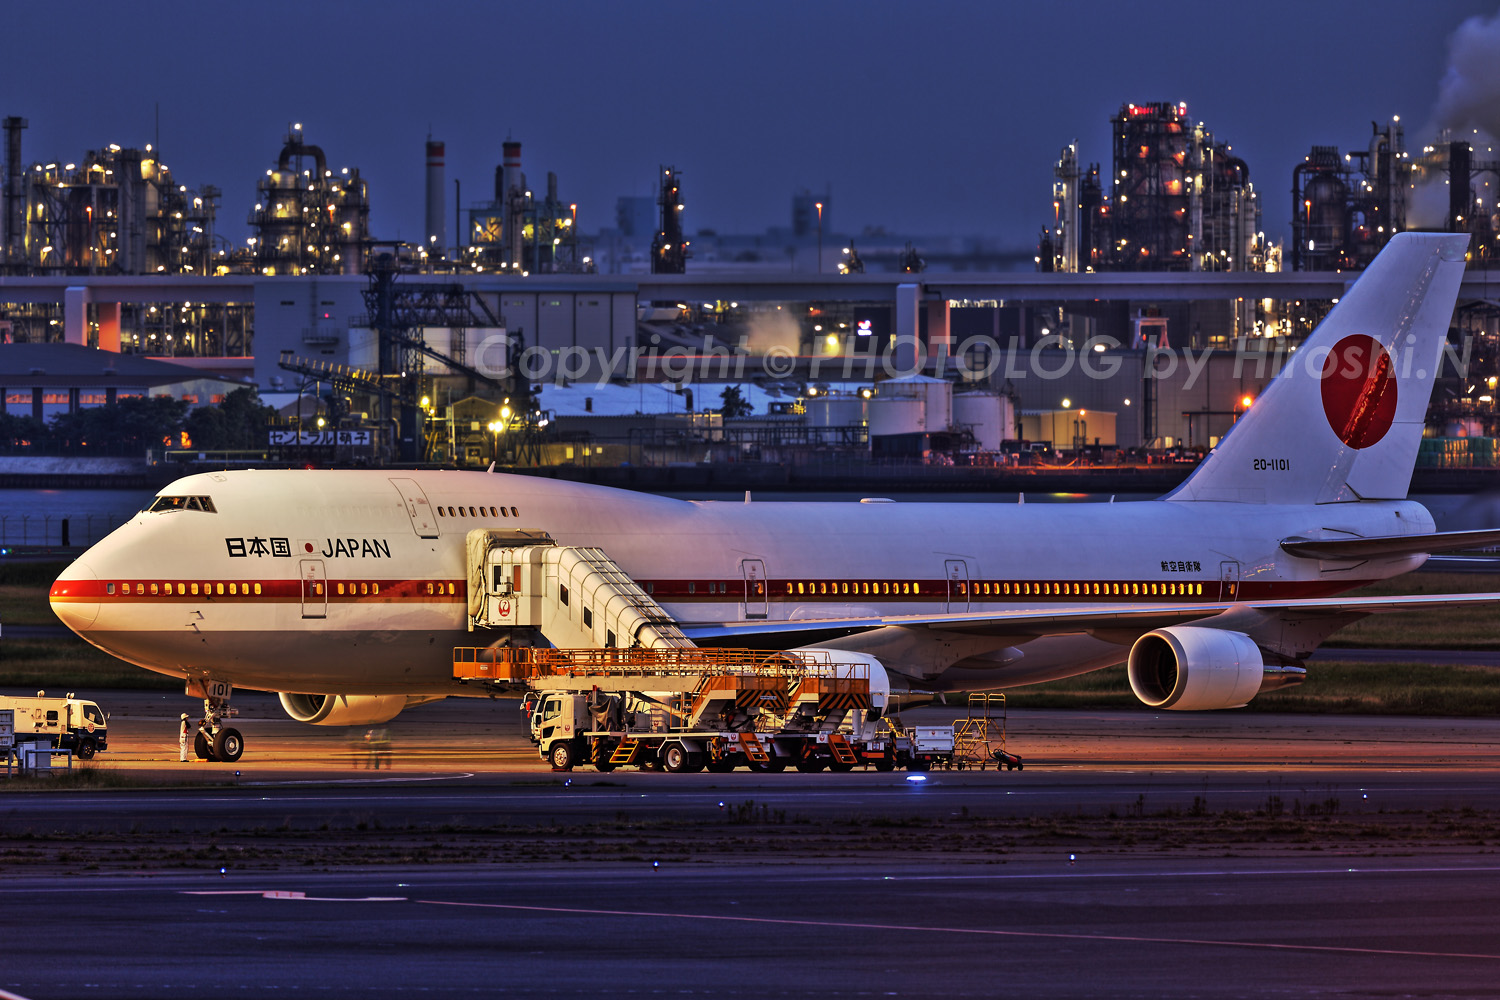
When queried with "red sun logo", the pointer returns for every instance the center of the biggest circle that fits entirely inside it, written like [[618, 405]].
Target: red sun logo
[[1359, 391]]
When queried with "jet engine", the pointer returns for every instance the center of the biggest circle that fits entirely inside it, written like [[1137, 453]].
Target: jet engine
[[1191, 669], [345, 709]]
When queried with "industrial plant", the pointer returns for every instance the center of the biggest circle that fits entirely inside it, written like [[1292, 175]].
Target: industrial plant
[[513, 332]]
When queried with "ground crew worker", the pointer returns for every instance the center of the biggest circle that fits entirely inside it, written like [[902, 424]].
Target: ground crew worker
[[182, 739]]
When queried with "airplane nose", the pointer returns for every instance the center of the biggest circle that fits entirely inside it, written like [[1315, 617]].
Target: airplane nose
[[75, 597]]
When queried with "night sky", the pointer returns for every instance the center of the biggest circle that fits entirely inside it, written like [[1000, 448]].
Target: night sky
[[941, 117]]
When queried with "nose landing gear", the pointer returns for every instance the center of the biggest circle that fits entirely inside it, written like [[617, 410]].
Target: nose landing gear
[[215, 741]]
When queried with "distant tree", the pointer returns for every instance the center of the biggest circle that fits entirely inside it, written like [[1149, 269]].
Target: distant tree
[[134, 423], [17, 432], [735, 403], [238, 422]]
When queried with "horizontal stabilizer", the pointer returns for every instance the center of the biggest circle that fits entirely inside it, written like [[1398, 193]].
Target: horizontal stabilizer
[[1388, 545]]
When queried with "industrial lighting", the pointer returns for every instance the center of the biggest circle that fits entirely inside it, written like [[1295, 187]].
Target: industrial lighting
[[1245, 401], [1067, 403]]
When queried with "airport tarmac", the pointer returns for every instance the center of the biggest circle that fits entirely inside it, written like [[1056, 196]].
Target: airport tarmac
[[462, 737], [1139, 854], [1119, 929]]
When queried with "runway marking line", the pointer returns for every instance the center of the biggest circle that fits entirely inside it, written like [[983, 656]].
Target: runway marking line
[[353, 781], [986, 932], [285, 894]]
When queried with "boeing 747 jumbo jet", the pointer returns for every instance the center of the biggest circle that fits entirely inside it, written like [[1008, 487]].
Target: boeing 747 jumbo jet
[[346, 591]]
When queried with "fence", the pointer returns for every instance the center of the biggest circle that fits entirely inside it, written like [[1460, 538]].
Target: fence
[[56, 530]]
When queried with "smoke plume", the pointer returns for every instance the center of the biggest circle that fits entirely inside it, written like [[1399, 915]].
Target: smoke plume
[[773, 331], [1469, 95]]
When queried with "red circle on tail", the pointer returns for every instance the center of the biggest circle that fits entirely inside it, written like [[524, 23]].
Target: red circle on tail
[[1359, 390]]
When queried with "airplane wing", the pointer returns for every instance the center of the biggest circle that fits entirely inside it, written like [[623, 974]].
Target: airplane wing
[[1355, 547], [1032, 623]]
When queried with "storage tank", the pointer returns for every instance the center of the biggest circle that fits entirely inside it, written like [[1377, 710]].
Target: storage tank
[[936, 393], [836, 411], [989, 415], [897, 415]]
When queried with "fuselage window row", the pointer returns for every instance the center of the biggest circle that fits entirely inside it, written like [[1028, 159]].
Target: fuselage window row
[[444, 510], [962, 589], [800, 588]]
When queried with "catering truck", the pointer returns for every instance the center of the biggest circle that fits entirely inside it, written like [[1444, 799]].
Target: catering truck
[[65, 723]]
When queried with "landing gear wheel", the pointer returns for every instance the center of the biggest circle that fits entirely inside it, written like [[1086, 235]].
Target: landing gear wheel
[[675, 758], [228, 745], [202, 748], [86, 749], [561, 756]]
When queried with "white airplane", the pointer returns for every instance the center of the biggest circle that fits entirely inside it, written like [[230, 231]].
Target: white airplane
[[346, 591]]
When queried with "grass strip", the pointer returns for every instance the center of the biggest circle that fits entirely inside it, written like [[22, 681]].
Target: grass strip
[[1435, 628], [1330, 688]]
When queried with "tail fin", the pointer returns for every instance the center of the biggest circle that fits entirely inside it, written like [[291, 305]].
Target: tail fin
[[1343, 420]]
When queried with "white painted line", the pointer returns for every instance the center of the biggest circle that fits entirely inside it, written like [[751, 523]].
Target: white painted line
[[986, 932], [351, 781], [289, 894]]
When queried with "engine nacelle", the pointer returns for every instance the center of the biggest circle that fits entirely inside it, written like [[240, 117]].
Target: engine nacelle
[[343, 709], [1192, 669]]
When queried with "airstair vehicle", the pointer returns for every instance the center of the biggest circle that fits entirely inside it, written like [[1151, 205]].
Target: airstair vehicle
[[613, 681], [979, 737]]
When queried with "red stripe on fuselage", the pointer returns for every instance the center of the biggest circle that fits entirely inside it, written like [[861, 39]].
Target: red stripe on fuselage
[[722, 591]]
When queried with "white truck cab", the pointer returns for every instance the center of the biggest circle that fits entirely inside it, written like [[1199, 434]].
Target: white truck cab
[[66, 723]]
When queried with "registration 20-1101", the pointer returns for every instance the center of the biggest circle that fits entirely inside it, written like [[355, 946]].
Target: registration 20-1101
[[1271, 464]]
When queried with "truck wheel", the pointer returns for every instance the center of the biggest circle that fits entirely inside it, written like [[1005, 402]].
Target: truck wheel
[[811, 765], [885, 763], [721, 766], [696, 762], [839, 767], [86, 749], [561, 756], [917, 764], [202, 748], [228, 745], [773, 766], [674, 757]]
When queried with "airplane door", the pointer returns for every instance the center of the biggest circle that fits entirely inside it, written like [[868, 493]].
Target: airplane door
[[314, 589], [1229, 581], [957, 573], [754, 571], [423, 522]]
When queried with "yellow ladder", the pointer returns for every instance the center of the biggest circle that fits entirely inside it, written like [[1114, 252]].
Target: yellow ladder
[[842, 751], [625, 753], [750, 743]]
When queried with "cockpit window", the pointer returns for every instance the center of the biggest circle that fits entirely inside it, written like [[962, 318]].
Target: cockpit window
[[205, 504]]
